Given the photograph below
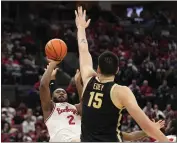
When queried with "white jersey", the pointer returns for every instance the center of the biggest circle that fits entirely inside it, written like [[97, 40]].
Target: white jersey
[[64, 123]]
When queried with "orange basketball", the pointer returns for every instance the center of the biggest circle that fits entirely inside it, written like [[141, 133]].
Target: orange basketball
[[56, 49]]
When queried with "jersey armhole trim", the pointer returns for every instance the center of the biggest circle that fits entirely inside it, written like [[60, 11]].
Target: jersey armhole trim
[[50, 114], [119, 106], [86, 86]]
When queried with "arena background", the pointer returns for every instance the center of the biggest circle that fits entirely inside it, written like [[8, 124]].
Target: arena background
[[142, 34]]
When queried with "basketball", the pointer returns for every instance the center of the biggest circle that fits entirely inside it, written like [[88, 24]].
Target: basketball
[[56, 49]]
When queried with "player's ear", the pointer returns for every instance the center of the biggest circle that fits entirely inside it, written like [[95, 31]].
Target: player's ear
[[98, 70]]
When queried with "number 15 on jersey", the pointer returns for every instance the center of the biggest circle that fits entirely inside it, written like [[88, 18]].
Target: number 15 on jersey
[[95, 100]]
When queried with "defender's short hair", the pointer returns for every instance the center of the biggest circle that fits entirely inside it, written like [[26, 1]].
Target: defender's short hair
[[108, 63]]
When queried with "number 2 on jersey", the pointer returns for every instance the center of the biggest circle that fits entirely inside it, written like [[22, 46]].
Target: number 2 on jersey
[[71, 118], [97, 100]]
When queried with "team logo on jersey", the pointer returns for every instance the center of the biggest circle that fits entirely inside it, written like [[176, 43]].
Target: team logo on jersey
[[74, 111]]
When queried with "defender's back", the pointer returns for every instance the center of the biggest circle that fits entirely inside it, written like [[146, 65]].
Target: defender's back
[[100, 117]]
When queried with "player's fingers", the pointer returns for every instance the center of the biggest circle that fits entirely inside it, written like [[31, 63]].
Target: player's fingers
[[160, 121], [76, 13], [77, 71], [84, 15], [80, 10], [56, 69], [163, 123], [88, 22]]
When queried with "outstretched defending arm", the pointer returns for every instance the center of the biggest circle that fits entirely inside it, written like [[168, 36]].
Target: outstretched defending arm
[[127, 99], [45, 91], [85, 59]]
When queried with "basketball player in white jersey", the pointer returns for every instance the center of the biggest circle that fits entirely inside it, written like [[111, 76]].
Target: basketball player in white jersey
[[120, 96], [61, 118]]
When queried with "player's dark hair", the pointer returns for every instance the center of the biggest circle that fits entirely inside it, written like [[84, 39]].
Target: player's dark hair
[[108, 63]]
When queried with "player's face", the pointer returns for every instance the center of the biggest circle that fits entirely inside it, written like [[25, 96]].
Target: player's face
[[60, 95]]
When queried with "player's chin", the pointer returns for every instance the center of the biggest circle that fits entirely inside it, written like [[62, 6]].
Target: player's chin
[[60, 100]]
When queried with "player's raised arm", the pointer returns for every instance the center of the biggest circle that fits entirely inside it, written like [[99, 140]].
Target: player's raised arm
[[45, 91], [85, 59], [127, 99]]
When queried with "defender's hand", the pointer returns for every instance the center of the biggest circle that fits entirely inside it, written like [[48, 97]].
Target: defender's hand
[[160, 124], [81, 18]]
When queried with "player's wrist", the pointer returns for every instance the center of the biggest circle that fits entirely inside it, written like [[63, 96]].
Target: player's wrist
[[81, 27], [53, 64]]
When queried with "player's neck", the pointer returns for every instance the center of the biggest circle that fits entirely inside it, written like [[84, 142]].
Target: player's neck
[[103, 78]]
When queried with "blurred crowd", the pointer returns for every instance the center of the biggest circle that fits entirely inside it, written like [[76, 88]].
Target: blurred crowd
[[148, 65], [22, 124]]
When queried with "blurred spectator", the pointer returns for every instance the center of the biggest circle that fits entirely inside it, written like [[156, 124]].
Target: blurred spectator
[[19, 137], [146, 90], [9, 111], [6, 128], [172, 126], [163, 89], [28, 125], [159, 114], [38, 111], [43, 137], [149, 110], [134, 87], [18, 118], [27, 138], [168, 111], [30, 115]]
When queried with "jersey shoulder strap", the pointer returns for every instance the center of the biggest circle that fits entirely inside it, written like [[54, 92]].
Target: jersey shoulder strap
[[85, 85]]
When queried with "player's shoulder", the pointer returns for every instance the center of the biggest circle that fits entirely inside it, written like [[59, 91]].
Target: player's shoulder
[[117, 92], [119, 88], [122, 91]]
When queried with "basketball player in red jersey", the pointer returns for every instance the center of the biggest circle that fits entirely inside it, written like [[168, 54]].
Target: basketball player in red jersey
[[104, 99]]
